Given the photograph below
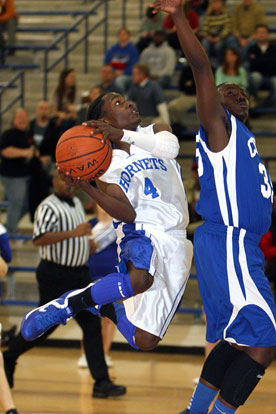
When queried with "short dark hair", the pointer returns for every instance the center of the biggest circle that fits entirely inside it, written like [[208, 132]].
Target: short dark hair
[[95, 109], [263, 25]]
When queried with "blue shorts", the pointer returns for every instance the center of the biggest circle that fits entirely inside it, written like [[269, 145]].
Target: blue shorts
[[136, 247], [236, 294]]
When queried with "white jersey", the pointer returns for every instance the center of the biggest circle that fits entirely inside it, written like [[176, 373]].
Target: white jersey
[[153, 186], [155, 190]]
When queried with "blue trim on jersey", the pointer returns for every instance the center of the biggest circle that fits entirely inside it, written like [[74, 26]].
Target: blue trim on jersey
[[230, 217], [173, 310]]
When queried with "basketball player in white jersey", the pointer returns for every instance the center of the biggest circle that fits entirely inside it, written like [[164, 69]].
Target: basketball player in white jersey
[[143, 191]]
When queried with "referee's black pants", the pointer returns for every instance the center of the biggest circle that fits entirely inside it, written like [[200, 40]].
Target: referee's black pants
[[54, 280]]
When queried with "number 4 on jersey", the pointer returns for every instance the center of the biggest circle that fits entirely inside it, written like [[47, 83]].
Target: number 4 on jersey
[[149, 189]]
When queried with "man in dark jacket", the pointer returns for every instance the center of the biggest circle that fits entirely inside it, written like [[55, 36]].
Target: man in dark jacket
[[262, 66]]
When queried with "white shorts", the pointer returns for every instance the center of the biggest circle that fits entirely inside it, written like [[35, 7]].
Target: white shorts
[[170, 264]]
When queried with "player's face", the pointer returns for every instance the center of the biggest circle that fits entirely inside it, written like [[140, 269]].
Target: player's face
[[234, 98], [121, 113]]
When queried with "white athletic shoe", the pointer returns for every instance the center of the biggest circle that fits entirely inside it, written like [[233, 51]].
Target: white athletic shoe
[[108, 361], [82, 362]]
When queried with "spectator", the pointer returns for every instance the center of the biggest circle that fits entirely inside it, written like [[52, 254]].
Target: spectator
[[186, 100], [268, 247], [160, 58], [148, 96], [169, 26], [231, 69], [107, 83], [8, 22], [61, 233], [45, 134], [16, 151], [122, 57], [87, 98], [150, 24], [65, 99], [215, 30], [246, 16], [262, 66]]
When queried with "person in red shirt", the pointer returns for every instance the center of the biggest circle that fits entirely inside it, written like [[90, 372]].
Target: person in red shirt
[[268, 247], [169, 26]]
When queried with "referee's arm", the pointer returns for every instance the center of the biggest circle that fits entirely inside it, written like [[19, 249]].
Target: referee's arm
[[52, 237]]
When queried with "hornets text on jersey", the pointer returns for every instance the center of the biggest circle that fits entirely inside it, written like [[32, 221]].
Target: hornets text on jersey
[[144, 179]]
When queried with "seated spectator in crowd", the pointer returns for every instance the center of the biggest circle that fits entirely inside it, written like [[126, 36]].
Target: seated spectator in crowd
[[148, 96], [169, 26], [186, 100], [86, 99], [108, 83], [160, 58], [149, 25], [262, 66], [246, 16], [45, 134], [65, 99], [216, 28], [122, 57], [8, 22], [268, 247], [16, 152], [231, 69]]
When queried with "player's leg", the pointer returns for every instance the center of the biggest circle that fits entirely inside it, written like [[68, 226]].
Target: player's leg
[[136, 337], [133, 278]]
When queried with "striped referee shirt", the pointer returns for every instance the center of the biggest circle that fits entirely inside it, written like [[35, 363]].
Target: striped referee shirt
[[56, 214]]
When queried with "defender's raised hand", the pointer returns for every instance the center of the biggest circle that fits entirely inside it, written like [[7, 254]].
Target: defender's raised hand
[[168, 6]]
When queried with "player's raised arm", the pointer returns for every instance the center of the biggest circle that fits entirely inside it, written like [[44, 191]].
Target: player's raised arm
[[210, 111]]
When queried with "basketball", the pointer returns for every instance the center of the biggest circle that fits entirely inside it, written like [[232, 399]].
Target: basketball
[[83, 155]]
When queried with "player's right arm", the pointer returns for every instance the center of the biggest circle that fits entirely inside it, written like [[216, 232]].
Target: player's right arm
[[211, 114], [109, 196]]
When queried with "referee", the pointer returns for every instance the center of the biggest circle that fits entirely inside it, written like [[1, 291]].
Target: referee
[[62, 236]]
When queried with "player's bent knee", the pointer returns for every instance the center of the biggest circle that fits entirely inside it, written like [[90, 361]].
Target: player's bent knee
[[145, 340], [140, 280]]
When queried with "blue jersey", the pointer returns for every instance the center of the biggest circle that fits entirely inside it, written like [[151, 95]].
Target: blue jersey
[[236, 189]]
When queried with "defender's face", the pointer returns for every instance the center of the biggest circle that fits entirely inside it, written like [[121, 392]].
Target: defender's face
[[121, 113], [234, 98]]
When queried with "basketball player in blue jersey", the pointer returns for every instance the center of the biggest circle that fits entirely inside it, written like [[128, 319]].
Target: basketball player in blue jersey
[[236, 205], [143, 191]]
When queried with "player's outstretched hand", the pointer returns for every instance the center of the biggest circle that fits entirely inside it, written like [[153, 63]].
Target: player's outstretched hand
[[108, 131], [168, 6]]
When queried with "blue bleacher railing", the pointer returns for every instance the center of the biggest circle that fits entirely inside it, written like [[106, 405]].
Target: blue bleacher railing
[[64, 38], [17, 79]]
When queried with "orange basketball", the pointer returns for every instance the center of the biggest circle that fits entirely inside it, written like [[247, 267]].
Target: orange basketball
[[82, 154]]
